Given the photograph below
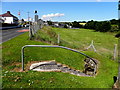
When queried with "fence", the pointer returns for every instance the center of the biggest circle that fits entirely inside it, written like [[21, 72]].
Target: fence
[[34, 27]]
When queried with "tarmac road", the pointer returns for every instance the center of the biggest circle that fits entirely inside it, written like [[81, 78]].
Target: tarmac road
[[8, 34]]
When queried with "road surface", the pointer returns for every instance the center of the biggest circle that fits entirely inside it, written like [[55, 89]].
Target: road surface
[[8, 34]]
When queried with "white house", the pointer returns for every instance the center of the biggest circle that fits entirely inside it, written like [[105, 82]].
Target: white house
[[9, 18], [1, 20]]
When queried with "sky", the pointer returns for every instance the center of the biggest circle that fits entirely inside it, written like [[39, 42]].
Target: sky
[[64, 11], [60, 0]]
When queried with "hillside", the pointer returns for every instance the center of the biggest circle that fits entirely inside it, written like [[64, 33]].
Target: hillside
[[78, 39]]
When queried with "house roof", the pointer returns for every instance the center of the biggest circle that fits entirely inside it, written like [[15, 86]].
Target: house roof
[[8, 14]]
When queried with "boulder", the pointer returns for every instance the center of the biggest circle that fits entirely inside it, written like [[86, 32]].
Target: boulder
[[90, 67]]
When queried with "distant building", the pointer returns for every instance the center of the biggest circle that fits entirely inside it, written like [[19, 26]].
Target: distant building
[[45, 23], [56, 24], [40, 22], [9, 18]]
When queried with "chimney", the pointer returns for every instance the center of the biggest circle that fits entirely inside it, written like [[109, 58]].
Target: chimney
[[8, 12]]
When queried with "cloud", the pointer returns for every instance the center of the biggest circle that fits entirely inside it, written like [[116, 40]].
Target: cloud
[[50, 16], [98, 0], [30, 19]]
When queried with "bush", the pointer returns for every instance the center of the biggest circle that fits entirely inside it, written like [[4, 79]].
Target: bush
[[76, 24], [118, 34], [65, 26], [103, 26], [46, 34], [98, 26], [114, 28], [90, 24]]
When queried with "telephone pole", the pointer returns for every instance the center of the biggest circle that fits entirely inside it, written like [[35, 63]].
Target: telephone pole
[[19, 15], [28, 16], [30, 32]]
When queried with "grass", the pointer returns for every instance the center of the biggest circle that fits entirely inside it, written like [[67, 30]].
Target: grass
[[81, 39], [11, 52], [46, 35]]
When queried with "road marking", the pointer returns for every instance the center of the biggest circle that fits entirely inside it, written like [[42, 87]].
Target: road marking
[[24, 30]]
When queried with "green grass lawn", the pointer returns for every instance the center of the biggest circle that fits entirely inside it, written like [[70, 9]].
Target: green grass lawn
[[11, 53], [81, 39]]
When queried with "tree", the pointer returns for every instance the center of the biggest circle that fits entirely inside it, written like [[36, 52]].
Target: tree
[[106, 26], [90, 24], [49, 22], [98, 26], [114, 21], [103, 26], [65, 26], [76, 24]]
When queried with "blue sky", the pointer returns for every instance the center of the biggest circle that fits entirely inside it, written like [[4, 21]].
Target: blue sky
[[59, 0], [73, 11]]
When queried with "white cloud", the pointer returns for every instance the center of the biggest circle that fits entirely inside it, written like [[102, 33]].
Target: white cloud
[[30, 19], [98, 0], [50, 16]]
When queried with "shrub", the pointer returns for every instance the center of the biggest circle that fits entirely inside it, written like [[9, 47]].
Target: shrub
[[103, 26], [114, 28]]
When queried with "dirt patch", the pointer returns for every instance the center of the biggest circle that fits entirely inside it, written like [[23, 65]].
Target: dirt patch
[[104, 50], [18, 66]]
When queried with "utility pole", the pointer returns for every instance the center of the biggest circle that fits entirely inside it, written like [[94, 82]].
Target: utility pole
[[19, 15], [28, 16], [30, 32]]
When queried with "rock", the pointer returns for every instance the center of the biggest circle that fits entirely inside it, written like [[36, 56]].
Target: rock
[[87, 60], [89, 72], [116, 85], [35, 65], [90, 66], [59, 65], [51, 63], [54, 66]]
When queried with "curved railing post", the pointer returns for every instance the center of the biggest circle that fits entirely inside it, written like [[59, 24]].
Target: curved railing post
[[22, 56]]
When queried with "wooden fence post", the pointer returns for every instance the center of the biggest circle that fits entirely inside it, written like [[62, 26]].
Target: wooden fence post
[[30, 32], [58, 39], [115, 52]]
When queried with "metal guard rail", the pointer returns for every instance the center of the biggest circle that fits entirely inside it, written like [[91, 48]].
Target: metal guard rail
[[55, 46]]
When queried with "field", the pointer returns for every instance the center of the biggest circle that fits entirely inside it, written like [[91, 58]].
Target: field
[[75, 38]]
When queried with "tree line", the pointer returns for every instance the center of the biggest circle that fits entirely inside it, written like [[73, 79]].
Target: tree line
[[101, 26]]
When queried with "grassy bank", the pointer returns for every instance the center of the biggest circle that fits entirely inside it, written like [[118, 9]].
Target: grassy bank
[[11, 52], [80, 39]]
